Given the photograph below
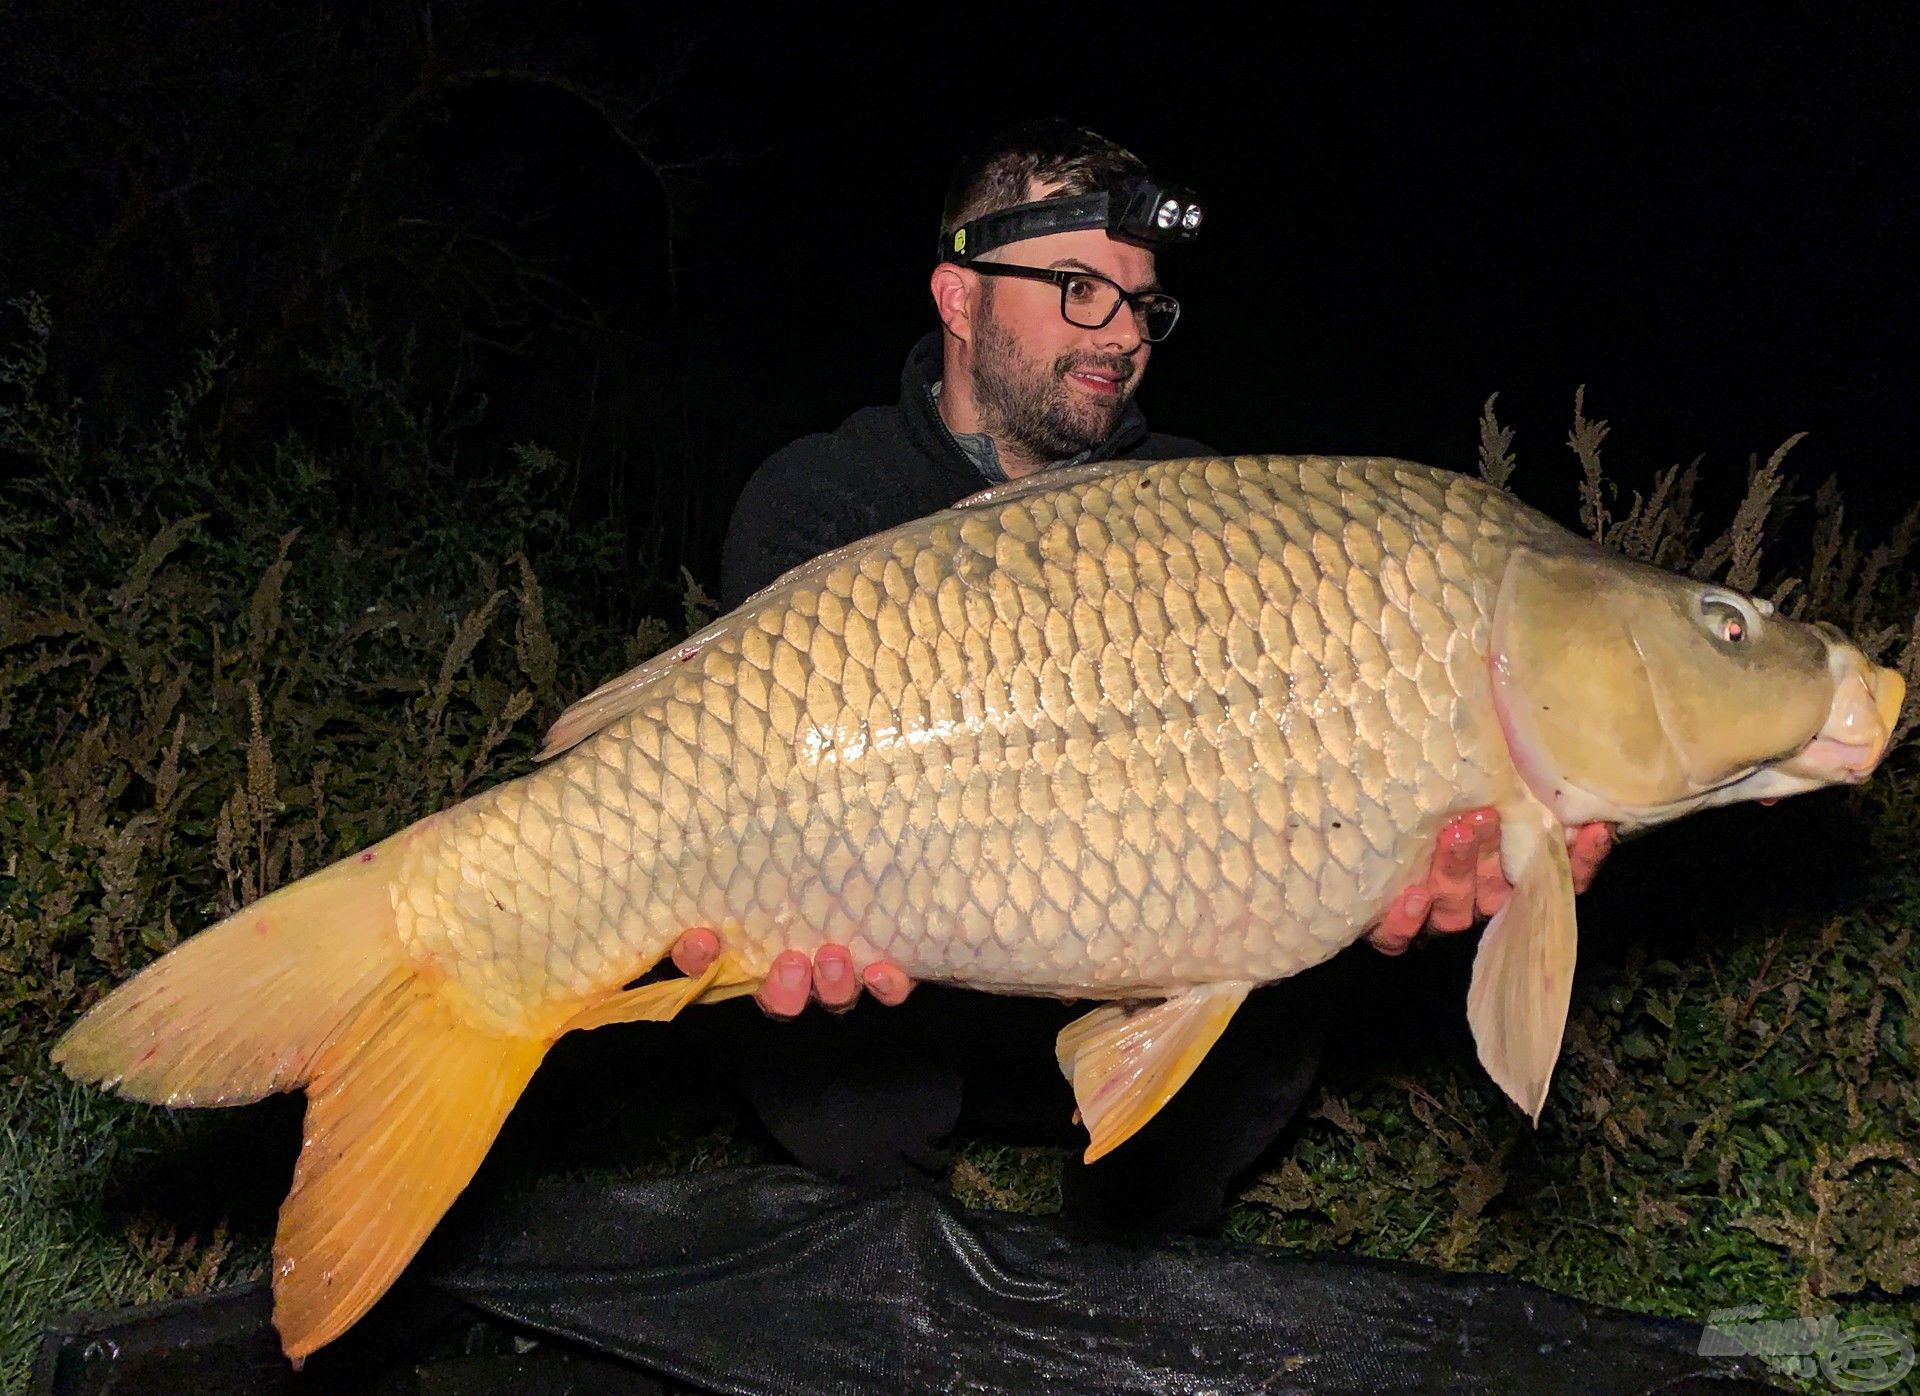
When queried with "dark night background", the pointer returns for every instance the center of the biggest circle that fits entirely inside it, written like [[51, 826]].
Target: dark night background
[[665, 241], [661, 241]]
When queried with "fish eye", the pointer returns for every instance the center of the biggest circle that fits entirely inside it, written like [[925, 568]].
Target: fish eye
[[1731, 619]]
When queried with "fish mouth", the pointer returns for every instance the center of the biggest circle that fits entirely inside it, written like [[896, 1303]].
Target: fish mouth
[[1858, 729]]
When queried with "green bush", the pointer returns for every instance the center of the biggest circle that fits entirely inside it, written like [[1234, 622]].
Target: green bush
[[217, 673]]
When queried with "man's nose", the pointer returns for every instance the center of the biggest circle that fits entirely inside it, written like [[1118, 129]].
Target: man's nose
[[1121, 334]]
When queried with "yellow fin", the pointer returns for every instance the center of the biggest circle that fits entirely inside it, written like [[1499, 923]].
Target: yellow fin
[[402, 1107], [1059, 477], [624, 694], [241, 1009], [1523, 971], [1126, 1061], [656, 1003], [725, 989]]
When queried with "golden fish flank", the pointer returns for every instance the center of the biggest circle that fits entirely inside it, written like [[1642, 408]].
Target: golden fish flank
[[1154, 734], [1007, 740]]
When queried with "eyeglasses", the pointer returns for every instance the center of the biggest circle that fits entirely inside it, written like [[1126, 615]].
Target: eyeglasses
[[1089, 300]]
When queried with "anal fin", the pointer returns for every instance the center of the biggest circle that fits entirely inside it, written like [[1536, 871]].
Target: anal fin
[[1523, 971], [1126, 1061], [660, 1001]]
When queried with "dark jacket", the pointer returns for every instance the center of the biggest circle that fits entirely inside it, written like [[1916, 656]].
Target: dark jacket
[[872, 1096], [880, 467]]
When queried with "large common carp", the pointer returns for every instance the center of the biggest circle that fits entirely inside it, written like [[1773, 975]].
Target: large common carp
[[1154, 734]]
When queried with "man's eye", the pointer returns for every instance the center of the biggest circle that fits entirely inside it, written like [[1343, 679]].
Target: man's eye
[[1082, 288]]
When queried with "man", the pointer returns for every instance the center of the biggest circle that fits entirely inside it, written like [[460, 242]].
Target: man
[[1050, 307], [1006, 386]]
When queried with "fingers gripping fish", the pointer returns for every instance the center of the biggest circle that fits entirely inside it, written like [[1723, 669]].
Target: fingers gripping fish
[[1153, 734]]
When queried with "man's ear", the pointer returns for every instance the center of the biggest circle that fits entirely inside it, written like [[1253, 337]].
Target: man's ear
[[953, 300]]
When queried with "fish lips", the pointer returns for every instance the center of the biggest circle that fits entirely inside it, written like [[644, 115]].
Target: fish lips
[[1859, 727]]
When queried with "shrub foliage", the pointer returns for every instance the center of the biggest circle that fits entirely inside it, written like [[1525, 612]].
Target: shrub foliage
[[219, 670]]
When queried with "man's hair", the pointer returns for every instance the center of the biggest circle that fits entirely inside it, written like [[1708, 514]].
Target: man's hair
[[1053, 152]]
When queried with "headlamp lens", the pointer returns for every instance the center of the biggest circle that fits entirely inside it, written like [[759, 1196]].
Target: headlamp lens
[[1132, 210]]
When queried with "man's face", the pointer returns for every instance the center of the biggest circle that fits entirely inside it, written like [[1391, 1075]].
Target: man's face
[[1049, 388]]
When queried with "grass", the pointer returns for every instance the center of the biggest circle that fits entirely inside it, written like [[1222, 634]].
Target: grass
[[1733, 1122], [61, 1150], [1727, 1126], [215, 674]]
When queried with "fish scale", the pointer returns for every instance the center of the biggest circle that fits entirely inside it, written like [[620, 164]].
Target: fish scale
[[1153, 733], [1182, 723]]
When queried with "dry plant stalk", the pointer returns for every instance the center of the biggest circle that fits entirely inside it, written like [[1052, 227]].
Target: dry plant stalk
[[1739, 547], [1909, 667], [247, 818], [1841, 584], [1496, 447], [1585, 439]]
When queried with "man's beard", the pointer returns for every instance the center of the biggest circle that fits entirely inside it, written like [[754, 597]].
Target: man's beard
[[1032, 408]]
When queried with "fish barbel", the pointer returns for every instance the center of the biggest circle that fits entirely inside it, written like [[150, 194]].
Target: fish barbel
[[1153, 734]]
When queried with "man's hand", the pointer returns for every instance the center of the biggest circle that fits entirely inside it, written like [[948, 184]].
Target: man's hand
[[1465, 879], [793, 979]]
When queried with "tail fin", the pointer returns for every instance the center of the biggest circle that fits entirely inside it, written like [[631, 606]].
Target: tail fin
[[309, 987], [400, 1111], [241, 1010]]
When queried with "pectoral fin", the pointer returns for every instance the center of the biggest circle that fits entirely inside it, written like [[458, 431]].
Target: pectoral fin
[[1523, 973], [1126, 1061]]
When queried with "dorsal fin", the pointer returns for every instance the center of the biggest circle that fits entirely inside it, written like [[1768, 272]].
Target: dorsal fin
[[618, 697], [1061, 477]]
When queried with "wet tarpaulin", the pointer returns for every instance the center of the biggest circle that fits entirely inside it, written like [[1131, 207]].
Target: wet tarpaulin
[[772, 1282]]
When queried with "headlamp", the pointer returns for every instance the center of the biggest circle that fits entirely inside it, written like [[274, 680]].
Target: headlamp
[[1135, 210]]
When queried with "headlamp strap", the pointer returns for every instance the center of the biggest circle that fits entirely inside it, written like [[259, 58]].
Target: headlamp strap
[[1024, 221], [1134, 210]]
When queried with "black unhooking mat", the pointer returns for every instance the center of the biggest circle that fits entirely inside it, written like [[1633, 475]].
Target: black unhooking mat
[[770, 1280]]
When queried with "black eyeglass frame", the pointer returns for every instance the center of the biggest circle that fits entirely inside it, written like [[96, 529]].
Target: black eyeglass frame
[[1135, 301]]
